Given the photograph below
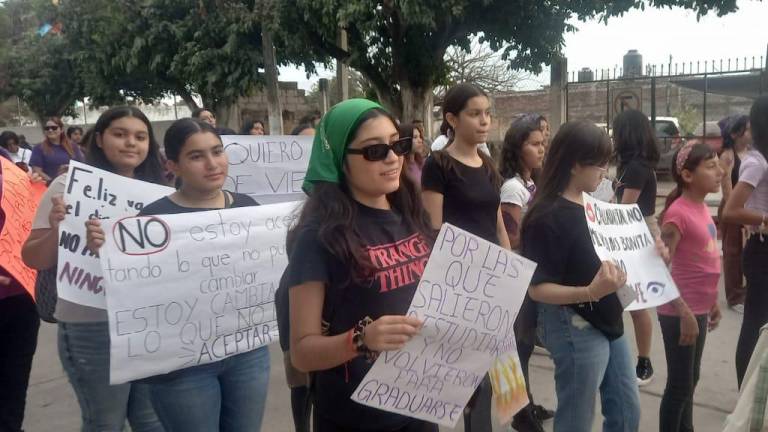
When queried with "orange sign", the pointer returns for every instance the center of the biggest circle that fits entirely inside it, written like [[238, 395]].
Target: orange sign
[[19, 201]]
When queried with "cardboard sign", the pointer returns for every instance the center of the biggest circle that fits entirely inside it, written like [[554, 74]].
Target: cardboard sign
[[619, 234], [94, 193], [468, 298], [19, 201], [269, 168], [184, 290]]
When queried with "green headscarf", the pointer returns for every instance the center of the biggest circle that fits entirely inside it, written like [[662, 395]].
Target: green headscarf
[[330, 143]]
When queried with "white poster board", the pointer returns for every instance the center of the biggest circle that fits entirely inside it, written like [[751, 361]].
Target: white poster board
[[619, 234], [94, 193], [185, 290], [269, 168], [468, 298]]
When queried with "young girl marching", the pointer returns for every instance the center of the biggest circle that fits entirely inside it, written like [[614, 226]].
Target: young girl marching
[[580, 316], [347, 294], [748, 206], [690, 233], [461, 186], [228, 395], [521, 156], [122, 143], [637, 154]]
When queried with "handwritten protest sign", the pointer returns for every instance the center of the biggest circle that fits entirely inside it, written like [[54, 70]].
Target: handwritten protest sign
[[468, 298], [269, 168], [19, 202], [184, 291], [619, 234], [94, 193]]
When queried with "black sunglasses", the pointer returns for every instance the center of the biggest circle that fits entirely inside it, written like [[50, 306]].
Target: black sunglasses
[[51, 128], [379, 152]]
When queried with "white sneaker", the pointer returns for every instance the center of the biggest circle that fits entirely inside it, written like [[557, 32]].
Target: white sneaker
[[738, 308]]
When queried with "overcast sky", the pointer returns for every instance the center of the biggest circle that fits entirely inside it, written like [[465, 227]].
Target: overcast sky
[[656, 33]]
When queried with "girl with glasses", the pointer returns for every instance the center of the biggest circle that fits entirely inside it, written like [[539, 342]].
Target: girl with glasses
[[51, 157]]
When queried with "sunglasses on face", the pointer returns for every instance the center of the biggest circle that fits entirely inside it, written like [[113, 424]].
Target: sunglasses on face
[[51, 128], [379, 152]]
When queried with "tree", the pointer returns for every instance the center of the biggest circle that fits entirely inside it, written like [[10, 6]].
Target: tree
[[37, 66], [400, 45], [358, 88]]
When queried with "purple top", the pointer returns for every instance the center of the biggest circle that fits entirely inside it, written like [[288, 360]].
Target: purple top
[[50, 163], [753, 171]]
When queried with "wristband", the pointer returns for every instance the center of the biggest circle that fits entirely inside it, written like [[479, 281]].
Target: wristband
[[358, 340]]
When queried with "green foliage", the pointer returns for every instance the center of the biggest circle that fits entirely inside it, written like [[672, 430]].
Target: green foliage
[[400, 45], [689, 118]]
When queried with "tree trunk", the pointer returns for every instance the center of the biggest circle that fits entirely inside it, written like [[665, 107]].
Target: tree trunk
[[188, 99], [415, 101]]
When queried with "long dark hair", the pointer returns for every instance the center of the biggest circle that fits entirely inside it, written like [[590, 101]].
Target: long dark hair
[[456, 100], [6, 137], [758, 122], [700, 152], [634, 138], [333, 211], [150, 170], [178, 133], [576, 142], [518, 133], [730, 126]]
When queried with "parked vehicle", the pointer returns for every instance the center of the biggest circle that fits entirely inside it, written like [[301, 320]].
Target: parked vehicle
[[669, 141]]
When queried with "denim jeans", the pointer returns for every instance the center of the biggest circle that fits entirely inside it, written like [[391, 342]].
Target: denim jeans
[[228, 395], [84, 354], [19, 324], [756, 302], [587, 362], [683, 368]]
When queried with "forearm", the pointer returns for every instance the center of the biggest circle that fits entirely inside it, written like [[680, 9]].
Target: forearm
[[743, 216], [556, 294], [41, 253], [317, 352]]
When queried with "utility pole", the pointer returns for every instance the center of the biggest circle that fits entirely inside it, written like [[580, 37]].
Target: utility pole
[[270, 72], [342, 70]]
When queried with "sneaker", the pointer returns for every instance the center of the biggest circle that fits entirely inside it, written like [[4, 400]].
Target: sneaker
[[542, 414], [644, 371], [738, 308]]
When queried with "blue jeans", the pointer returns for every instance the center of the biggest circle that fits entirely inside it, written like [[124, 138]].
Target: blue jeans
[[84, 354], [587, 362], [228, 395]]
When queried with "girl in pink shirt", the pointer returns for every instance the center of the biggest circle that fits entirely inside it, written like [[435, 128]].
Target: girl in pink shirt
[[690, 233]]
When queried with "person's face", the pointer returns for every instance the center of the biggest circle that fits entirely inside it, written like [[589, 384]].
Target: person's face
[[13, 146], [544, 126], [257, 129], [202, 164], [418, 142], [532, 154], [372, 180], [208, 117], [587, 178], [76, 137], [473, 122], [707, 176], [125, 143], [52, 131]]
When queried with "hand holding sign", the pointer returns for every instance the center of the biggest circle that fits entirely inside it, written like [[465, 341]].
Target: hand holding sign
[[391, 332], [608, 280], [58, 212], [94, 235]]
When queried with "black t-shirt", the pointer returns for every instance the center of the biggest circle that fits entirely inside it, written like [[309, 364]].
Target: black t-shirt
[[470, 199], [558, 241], [639, 175], [399, 256], [736, 168], [165, 206]]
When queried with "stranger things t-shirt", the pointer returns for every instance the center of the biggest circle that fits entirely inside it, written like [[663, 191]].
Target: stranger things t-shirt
[[558, 241], [470, 199], [399, 256]]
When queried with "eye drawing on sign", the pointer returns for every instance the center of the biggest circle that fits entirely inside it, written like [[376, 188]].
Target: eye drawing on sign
[[655, 289], [143, 235]]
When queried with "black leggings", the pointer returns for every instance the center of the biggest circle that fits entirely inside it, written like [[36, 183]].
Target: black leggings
[[683, 369], [756, 303], [301, 405]]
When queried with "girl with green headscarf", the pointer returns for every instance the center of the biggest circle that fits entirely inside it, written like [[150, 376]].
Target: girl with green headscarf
[[348, 295]]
